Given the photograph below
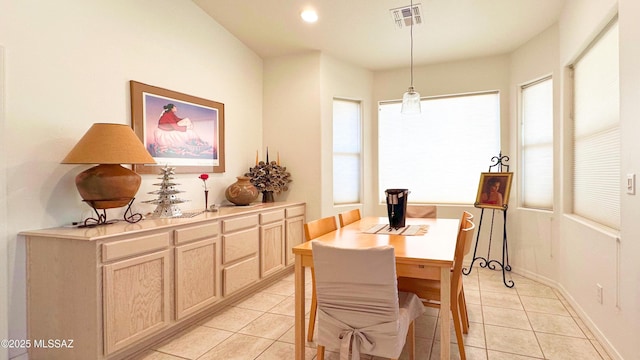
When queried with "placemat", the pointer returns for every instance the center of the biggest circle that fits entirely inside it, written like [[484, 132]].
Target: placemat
[[408, 230], [188, 214]]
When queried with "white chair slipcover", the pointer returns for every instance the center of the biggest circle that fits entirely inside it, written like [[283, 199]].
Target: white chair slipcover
[[359, 307]]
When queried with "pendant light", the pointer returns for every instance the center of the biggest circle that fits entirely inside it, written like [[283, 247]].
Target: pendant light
[[411, 99]]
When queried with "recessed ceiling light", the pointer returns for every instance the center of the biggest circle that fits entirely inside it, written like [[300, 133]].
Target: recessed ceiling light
[[309, 16]]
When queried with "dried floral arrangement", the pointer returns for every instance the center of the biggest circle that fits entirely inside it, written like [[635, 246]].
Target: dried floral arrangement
[[269, 176]]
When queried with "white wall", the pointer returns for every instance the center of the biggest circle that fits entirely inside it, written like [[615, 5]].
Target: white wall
[[68, 64], [298, 109], [624, 331], [292, 123], [564, 250], [345, 81], [535, 238], [4, 322], [589, 255]]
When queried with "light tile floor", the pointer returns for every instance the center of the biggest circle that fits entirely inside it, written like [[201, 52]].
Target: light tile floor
[[529, 321]]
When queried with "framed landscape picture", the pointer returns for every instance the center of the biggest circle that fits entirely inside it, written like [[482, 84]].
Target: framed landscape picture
[[178, 130], [493, 190]]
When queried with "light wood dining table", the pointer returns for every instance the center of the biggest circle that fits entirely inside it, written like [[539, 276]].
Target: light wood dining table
[[426, 256]]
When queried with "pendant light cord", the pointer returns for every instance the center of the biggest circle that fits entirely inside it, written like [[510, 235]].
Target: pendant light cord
[[411, 36]]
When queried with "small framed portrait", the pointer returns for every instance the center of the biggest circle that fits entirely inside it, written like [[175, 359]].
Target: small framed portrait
[[493, 190]]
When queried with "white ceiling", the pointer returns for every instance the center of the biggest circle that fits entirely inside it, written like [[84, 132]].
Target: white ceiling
[[363, 33]]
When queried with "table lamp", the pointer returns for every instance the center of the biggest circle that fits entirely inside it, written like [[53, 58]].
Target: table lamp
[[109, 185]]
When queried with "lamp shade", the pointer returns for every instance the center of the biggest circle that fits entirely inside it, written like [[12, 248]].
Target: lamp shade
[[109, 144], [410, 102], [108, 185]]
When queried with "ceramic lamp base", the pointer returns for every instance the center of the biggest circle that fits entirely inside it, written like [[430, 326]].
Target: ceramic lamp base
[[108, 186]]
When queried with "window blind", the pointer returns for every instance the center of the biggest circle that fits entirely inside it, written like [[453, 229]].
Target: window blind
[[537, 144], [439, 154], [347, 149], [596, 138]]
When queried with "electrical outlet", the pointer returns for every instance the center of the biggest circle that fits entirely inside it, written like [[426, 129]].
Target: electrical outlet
[[599, 293]]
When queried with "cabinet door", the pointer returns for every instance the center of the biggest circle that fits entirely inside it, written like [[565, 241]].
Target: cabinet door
[[196, 277], [136, 299], [271, 248], [294, 236]]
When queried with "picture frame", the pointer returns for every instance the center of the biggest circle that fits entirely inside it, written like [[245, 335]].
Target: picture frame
[[179, 130], [493, 190]]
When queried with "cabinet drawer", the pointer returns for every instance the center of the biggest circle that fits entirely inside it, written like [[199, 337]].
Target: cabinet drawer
[[205, 231], [139, 245], [419, 271], [295, 211], [239, 223], [240, 275], [272, 216], [239, 245]]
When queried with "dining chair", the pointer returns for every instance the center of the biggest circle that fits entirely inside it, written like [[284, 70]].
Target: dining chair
[[359, 307], [349, 217], [466, 217], [429, 290], [312, 230], [467, 244], [468, 239], [422, 211]]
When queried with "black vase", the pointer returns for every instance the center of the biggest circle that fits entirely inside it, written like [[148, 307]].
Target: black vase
[[267, 196]]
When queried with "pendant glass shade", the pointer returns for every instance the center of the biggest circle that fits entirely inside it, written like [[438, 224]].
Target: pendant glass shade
[[410, 102]]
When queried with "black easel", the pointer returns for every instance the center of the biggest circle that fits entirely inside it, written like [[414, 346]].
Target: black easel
[[498, 164]]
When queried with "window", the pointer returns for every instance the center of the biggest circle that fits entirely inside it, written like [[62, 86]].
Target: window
[[596, 133], [347, 149], [537, 144], [440, 154]]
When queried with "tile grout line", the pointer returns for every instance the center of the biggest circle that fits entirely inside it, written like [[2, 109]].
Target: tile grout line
[[484, 329], [535, 333]]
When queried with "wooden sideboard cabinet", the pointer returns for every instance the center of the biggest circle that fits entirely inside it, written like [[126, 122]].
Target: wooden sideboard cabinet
[[117, 289], [294, 230]]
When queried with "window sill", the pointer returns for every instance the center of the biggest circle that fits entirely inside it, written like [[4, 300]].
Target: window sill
[[605, 230]]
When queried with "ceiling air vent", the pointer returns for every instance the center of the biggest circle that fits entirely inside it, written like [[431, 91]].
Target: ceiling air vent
[[403, 16]]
